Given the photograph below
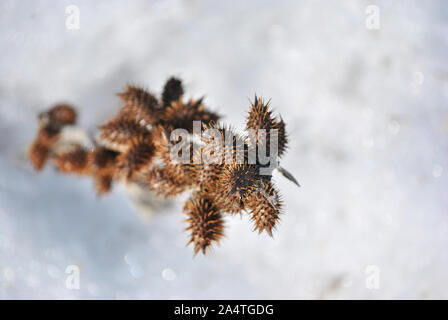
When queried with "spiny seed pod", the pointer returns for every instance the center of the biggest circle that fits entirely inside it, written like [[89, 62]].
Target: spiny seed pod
[[73, 161], [138, 157], [201, 112], [282, 138], [172, 91], [103, 183], [205, 223], [178, 115], [178, 172], [139, 105], [265, 206], [231, 204], [202, 174], [48, 135], [160, 138], [181, 152], [58, 116], [103, 168], [38, 154], [222, 145], [103, 159], [267, 133], [239, 179], [164, 183], [260, 117], [207, 176], [122, 133]]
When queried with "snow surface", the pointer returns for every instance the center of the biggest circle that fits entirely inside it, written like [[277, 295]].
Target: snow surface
[[368, 121]]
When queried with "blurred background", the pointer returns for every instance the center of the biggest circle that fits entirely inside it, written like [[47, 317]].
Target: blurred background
[[362, 86]]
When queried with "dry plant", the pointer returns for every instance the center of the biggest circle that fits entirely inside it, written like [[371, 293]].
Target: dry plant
[[139, 145]]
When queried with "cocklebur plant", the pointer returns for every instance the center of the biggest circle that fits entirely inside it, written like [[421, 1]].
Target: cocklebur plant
[[171, 146]]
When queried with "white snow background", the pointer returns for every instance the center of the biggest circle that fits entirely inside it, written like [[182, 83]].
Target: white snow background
[[367, 115]]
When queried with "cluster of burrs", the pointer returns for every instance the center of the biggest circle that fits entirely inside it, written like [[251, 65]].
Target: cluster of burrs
[[155, 143]]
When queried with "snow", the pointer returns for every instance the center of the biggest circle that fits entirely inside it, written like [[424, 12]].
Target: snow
[[365, 109]]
